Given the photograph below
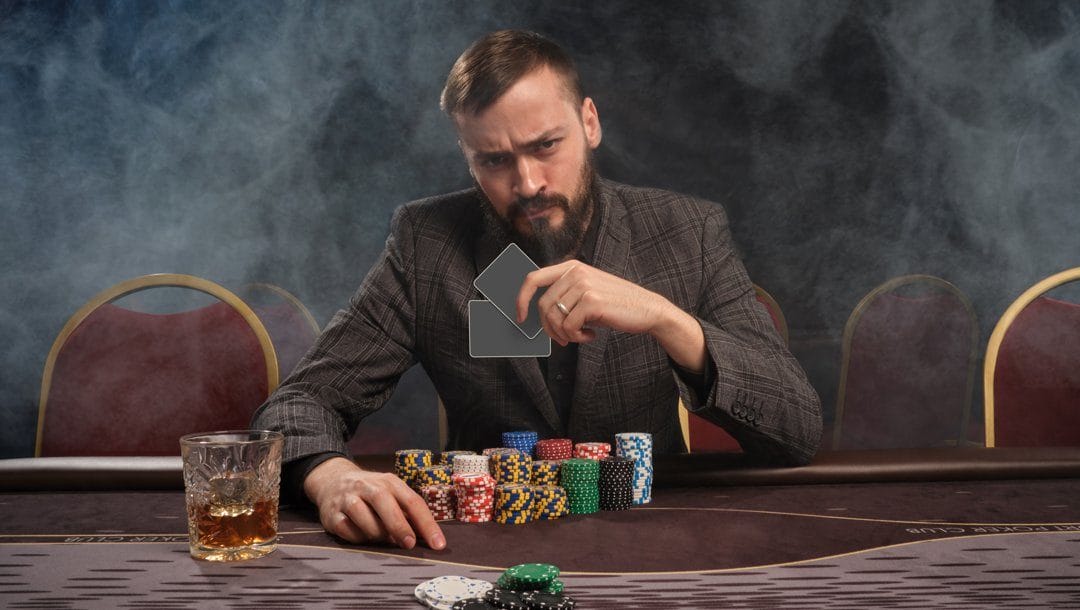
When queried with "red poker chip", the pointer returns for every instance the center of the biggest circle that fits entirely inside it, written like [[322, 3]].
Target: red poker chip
[[592, 451], [554, 449]]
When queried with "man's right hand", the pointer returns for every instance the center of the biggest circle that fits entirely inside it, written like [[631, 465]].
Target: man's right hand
[[361, 506]]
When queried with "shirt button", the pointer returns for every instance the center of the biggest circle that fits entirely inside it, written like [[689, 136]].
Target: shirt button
[[558, 377]]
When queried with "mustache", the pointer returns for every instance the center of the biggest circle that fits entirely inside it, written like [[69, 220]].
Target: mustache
[[541, 201]]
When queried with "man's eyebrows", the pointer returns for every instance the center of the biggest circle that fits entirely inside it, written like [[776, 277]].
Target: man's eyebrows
[[551, 134]]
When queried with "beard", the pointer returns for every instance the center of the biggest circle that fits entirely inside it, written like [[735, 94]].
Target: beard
[[547, 245]]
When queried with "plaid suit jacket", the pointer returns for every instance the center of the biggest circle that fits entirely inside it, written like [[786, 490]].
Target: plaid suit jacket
[[413, 307]]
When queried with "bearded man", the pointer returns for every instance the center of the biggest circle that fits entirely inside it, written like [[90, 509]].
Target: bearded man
[[645, 299]]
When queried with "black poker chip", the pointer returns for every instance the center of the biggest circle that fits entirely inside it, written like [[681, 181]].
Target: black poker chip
[[473, 603], [539, 600], [505, 599]]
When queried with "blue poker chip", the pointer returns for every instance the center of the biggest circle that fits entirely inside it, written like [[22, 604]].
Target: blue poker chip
[[522, 440]]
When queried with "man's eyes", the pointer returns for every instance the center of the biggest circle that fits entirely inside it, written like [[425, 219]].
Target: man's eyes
[[494, 161]]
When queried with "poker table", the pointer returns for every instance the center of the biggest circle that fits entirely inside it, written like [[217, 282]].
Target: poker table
[[942, 528]]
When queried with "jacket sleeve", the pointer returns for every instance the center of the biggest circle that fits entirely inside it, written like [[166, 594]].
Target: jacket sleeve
[[758, 391], [356, 362]]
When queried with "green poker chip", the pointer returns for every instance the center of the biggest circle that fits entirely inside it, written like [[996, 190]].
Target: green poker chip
[[529, 577], [555, 588]]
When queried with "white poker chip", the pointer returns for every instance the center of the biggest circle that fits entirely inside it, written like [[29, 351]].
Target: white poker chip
[[418, 592], [441, 593]]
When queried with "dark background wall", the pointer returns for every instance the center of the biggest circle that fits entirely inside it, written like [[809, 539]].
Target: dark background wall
[[269, 141]]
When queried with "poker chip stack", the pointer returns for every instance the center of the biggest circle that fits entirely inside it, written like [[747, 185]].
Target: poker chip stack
[[408, 461], [548, 600], [464, 464], [526, 581], [638, 446], [545, 472], [592, 451], [616, 483], [511, 468], [580, 478], [475, 496], [513, 504], [490, 451], [549, 502], [447, 457], [432, 475], [554, 449], [441, 500], [519, 600], [447, 592], [522, 440]]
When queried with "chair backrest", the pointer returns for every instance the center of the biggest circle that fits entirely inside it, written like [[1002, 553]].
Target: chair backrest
[[1032, 374], [123, 382], [777, 314], [701, 435], [292, 328], [908, 367]]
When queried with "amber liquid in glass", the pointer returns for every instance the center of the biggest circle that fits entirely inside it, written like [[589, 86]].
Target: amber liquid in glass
[[236, 525]]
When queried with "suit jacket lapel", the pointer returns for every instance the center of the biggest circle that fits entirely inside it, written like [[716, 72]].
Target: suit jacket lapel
[[487, 247], [612, 255]]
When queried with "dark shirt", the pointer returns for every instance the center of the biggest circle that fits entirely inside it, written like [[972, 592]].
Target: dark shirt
[[560, 368]]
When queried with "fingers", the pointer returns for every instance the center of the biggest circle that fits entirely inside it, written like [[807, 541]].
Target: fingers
[[561, 291], [354, 522], [420, 516], [371, 507], [393, 519], [536, 280], [563, 325], [587, 308], [553, 318], [591, 296]]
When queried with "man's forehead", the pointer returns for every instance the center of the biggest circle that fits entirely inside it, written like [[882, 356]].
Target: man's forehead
[[504, 139], [534, 106]]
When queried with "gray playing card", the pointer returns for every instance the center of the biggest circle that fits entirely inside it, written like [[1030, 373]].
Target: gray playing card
[[501, 282], [491, 335]]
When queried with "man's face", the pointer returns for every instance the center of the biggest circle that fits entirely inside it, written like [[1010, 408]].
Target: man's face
[[530, 154]]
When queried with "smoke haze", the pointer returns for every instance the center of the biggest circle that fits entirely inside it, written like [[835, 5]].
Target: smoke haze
[[250, 141]]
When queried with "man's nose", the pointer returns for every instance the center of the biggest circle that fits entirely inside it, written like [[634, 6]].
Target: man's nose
[[529, 180]]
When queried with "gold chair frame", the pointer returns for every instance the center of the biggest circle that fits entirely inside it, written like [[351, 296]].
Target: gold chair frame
[[684, 414], [290, 298], [140, 283], [994, 345], [849, 332]]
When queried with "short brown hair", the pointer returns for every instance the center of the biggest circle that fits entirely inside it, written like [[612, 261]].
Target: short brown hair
[[492, 64]]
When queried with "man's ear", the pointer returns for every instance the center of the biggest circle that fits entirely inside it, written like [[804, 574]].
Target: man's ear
[[590, 119]]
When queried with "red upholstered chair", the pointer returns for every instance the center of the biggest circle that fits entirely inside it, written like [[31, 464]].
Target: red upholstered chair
[[700, 434], [124, 382], [908, 367], [1032, 374], [291, 326]]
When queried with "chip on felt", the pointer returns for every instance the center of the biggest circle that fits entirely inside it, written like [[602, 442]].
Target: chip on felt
[[443, 592]]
